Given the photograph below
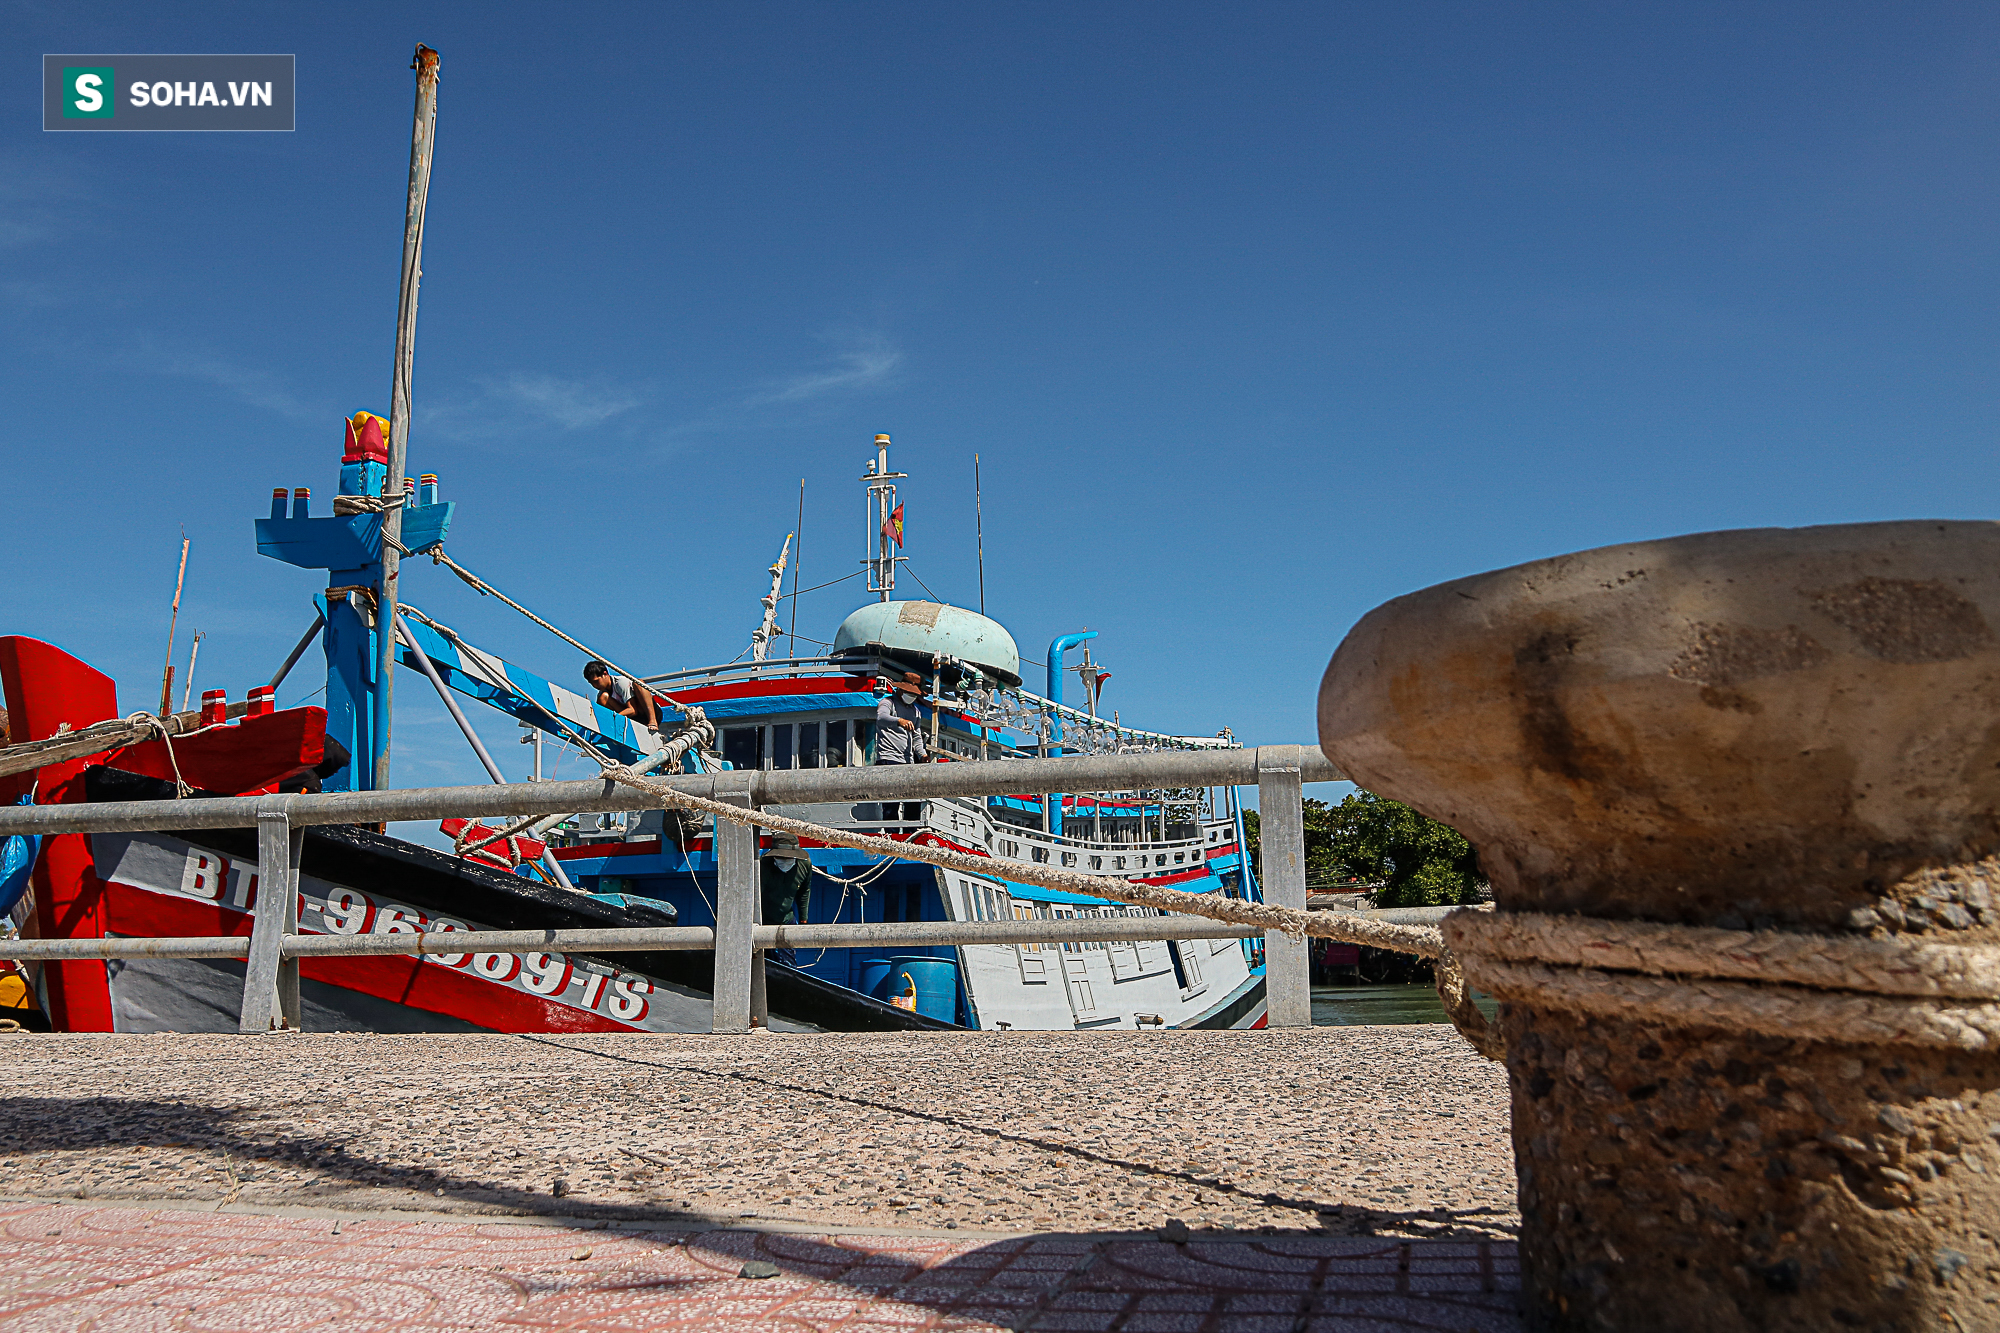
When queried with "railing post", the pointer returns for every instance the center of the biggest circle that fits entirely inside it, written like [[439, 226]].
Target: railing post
[[735, 911], [1282, 843], [270, 980]]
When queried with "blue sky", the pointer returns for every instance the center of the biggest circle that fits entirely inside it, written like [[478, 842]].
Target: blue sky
[[1256, 315]]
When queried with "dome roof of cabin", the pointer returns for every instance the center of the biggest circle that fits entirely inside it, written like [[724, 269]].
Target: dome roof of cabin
[[913, 632]]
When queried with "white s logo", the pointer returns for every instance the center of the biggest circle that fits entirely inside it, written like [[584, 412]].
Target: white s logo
[[88, 98]]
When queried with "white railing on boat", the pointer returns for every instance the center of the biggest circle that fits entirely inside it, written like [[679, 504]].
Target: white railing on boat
[[988, 705], [271, 984]]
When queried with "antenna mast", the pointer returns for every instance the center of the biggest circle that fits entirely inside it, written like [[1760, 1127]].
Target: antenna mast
[[881, 559], [979, 523], [798, 567]]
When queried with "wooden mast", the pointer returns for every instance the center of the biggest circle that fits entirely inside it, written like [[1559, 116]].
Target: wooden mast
[[422, 134]]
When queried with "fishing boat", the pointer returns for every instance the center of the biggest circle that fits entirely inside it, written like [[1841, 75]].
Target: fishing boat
[[821, 711]]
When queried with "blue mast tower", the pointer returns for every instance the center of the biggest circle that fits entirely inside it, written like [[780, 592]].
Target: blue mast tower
[[348, 545]]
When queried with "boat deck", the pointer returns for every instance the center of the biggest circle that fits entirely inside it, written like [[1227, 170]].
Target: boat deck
[[924, 1179]]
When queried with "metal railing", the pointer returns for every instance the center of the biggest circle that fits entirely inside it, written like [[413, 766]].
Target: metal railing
[[274, 947]]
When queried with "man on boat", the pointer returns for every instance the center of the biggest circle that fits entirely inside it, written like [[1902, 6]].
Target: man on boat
[[785, 878], [899, 739], [623, 695]]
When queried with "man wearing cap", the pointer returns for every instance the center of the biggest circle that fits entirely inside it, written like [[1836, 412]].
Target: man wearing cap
[[785, 878], [899, 738]]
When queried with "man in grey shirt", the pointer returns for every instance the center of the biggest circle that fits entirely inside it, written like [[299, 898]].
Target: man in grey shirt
[[899, 739]]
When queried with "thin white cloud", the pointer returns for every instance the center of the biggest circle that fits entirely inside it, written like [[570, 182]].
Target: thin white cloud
[[523, 402], [256, 387], [570, 404], [873, 360]]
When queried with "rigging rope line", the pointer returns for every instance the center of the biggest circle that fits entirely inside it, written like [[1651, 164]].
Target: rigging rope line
[[468, 656], [920, 580], [485, 589], [798, 592]]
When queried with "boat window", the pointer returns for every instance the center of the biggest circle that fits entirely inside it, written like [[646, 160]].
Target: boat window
[[1179, 857], [1160, 860], [836, 744], [1097, 863], [781, 746], [743, 746], [809, 755], [1117, 863]]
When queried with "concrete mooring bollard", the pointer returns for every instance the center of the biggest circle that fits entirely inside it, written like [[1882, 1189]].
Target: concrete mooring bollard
[[1739, 797]]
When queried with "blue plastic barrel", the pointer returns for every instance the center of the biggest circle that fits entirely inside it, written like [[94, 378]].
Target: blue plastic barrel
[[874, 979], [936, 981]]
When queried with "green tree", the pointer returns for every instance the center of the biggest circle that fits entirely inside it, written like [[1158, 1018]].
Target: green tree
[[1415, 861]]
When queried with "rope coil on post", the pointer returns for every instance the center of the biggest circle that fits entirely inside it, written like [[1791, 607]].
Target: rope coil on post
[[1816, 987], [344, 505]]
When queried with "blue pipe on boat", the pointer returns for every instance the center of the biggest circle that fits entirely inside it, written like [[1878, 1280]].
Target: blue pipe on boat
[[1052, 803]]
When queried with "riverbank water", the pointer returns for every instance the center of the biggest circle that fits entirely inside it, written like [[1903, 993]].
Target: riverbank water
[[1382, 1006]]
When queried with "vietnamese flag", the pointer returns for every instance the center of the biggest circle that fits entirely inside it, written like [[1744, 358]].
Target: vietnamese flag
[[892, 527]]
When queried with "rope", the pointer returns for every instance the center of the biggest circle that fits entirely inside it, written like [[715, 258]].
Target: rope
[[486, 589], [858, 884], [1424, 941], [1449, 974], [698, 731], [800, 592], [147, 722], [471, 663], [343, 505], [921, 584], [1816, 987], [860, 881]]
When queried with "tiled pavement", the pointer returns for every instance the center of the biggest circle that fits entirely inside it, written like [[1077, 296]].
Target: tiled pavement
[[75, 1266]]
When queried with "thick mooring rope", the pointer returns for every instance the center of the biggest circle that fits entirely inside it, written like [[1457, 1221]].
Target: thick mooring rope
[[1424, 941], [1349, 928], [1776, 983]]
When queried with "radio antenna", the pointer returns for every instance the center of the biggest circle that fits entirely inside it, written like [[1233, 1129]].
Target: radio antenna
[[979, 524], [798, 564]]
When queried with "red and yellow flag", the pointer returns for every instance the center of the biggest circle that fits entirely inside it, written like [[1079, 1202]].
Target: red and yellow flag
[[892, 527]]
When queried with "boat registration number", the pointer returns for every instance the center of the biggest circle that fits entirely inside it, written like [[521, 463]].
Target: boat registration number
[[158, 864]]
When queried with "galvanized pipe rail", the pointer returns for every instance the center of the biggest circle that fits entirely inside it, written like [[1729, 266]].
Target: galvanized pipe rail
[[649, 939], [271, 988], [886, 782]]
